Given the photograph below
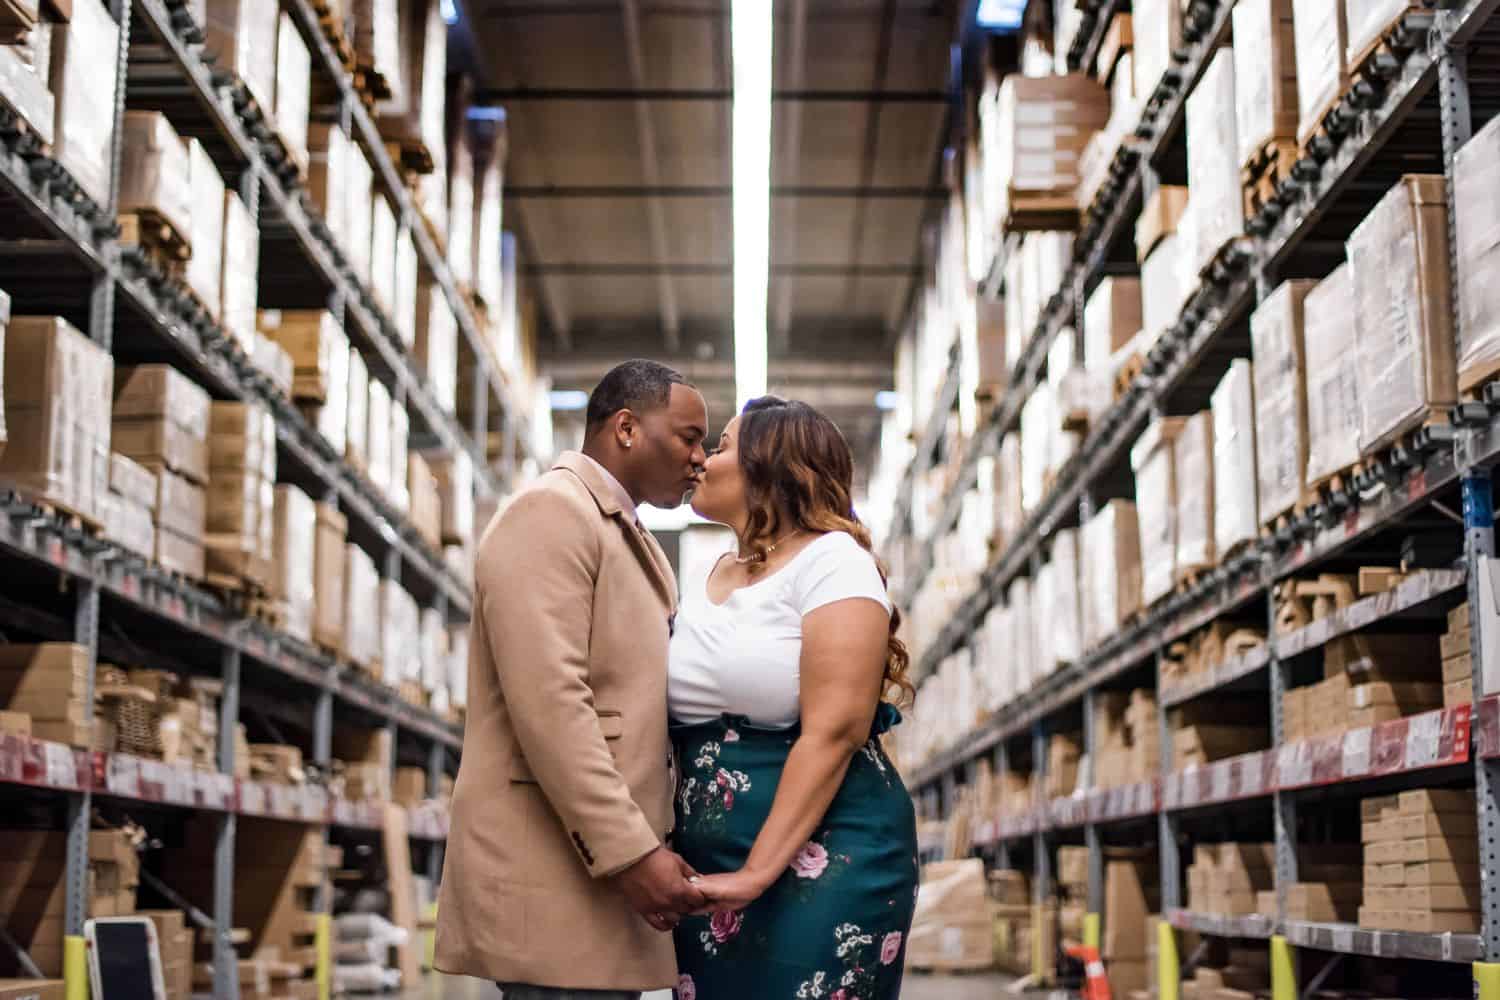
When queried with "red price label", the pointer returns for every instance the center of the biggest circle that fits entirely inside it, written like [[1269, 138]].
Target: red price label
[[1417, 484]]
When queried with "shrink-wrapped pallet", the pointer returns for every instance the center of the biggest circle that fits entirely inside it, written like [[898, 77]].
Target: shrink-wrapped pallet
[[241, 36], [359, 211], [357, 422], [329, 557], [293, 90], [1403, 311], [154, 173], [1154, 462], [1038, 428], [1333, 409], [24, 84], [1215, 199], [437, 344], [1111, 571], [378, 437], [1322, 33], [328, 176], [294, 562], [383, 252], [1276, 334], [362, 629], [1023, 634], [57, 414], [1476, 189], [1236, 511], [205, 266], [1193, 462], [1368, 21], [1009, 489], [398, 492], [1163, 291], [1064, 608], [241, 271], [404, 306], [1157, 26], [1265, 75], [85, 52]]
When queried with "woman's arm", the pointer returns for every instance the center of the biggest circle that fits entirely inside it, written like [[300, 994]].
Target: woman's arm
[[843, 667]]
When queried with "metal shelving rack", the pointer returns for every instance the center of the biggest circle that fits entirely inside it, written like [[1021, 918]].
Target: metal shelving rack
[[59, 255], [1425, 91]]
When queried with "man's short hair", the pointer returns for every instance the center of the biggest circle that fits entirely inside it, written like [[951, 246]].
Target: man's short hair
[[637, 385]]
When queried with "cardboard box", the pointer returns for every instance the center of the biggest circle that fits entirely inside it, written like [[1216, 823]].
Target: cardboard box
[[1436, 801], [1435, 873], [1217, 205], [357, 424], [293, 90], [1276, 331], [1159, 218], [132, 481], [1379, 808], [24, 83], [84, 125], [294, 558], [328, 175], [1463, 896], [1441, 922], [1403, 310], [1236, 511], [1459, 692], [1193, 466], [1157, 27], [1265, 75], [426, 503], [241, 35], [1474, 186], [1454, 643], [181, 506], [128, 525], [1152, 459], [1458, 668], [156, 442], [1321, 34], [1112, 570], [32, 989], [206, 266], [180, 555], [158, 390], [239, 272], [328, 561], [154, 171], [1441, 847], [1332, 367], [1032, 132]]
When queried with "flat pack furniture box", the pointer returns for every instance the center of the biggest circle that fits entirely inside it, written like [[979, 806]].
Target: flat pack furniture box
[[331, 529], [154, 175], [1333, 404], [85, 49], [1153, 460], [1112, 570], [1321, 32], [1276, 333], [1265, 77], [1217, 202]]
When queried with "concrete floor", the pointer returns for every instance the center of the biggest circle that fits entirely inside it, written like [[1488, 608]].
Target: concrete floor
[[986, 987]]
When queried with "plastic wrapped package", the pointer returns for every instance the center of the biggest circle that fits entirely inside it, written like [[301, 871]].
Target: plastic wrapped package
[[1162, 291], [455, 478], [1321, 33], [361, 637], [241, 271], [1236, 512], [458, 666], [359, 208], [85, 50], [1111, 571], [1032, 131], [1403, 311], [154, 172], [329, 557], [397, 490], [1367, 24], [1022, 634], [275, 363], [383, 252], [1154, 462], [1065, 622], [1265, 76], [24, 89], [378, 440], [1017, 330], [401, 634], [461, 211], [1157, 28], [357, 414], [434, 643], [1038, 427], [488, 280], [1216, 199], [328, 176], [293, 90], [128, 525], [57, 391], [1009, 488], [240, 36], [1193, 464], [1280, 399], [404, 308], [294, 559], [1476, 187], [1332, 348], [205, 266]]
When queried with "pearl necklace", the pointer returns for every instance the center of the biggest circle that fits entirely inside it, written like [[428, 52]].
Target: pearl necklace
[[757, 557]]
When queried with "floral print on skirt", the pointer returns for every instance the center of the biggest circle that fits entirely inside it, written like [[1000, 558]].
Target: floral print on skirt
[[834, 925]]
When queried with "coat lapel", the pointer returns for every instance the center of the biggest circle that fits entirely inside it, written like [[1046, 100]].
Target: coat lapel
[[653, 560]]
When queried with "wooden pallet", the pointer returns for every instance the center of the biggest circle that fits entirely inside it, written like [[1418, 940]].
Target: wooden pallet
[[1185, 578], [1036, 211], [1126, 374], [63, 514], [411, 155], [1473, 379], [1393, 42], [1262, 175], [1405, 433], [370, 84], [1339, 481], [156, 237]]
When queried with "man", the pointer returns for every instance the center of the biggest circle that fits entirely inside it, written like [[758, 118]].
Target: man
[[557, 881]]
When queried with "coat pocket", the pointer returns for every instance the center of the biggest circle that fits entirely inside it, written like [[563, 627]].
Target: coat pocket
[[611, 724]]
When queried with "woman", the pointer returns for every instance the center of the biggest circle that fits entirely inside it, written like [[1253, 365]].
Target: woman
[[777, 672]]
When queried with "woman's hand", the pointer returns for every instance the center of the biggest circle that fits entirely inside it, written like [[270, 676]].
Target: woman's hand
[[731, 891]]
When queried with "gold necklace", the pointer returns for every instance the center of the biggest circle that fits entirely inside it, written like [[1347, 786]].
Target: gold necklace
[[757, 557]]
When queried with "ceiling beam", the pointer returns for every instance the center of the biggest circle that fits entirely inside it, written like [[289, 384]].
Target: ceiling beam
[[575, 368], [553, 310], [511, 95], [645, 131], [781, 321], [872, 143], [634, 269], [536, 192]]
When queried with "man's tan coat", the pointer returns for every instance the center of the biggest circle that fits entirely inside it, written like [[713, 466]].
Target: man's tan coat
[[566, 774]]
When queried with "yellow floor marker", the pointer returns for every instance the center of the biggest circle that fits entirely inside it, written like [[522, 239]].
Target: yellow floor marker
[[75, 968], [1486, 981], [323, 944], [1283, 969], [1168, 971], [1091, 930], [1038, 959]]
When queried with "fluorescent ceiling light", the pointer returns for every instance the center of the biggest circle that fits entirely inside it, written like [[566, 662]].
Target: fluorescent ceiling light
[[449, 10], [751, 24], [886, 400], [1000, 15], [568, 400], [486, 113]]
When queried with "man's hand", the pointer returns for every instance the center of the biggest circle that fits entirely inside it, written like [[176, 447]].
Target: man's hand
[[657, 888]]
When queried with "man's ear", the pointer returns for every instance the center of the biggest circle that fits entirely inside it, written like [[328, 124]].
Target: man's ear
[[627, 428]]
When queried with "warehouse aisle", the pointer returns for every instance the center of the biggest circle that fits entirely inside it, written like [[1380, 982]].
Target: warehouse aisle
[[985, 987]]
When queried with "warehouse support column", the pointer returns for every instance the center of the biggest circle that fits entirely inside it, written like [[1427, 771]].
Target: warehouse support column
[[1041, 887], [1168, 969], [1091, 840], [1479, 550], [102, 295], [1002, 768], [226, 962], [323, 934], [80, 808]]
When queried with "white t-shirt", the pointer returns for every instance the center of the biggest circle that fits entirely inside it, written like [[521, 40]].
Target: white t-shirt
[[744, 657]]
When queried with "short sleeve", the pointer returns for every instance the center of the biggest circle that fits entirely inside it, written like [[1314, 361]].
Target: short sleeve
[[839, 569]]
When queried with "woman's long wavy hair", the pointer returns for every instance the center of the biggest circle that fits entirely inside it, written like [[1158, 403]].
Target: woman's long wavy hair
[[798, 467]]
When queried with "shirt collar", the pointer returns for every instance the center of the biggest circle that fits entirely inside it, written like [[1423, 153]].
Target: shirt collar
[[621, 494]]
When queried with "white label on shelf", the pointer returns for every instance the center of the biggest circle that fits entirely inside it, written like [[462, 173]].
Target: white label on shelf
[[122, 775], [1221, 783], [1356, 752], [214, 789], [252, 797], [1294, 766], [1423, 733], [1343, 940], [62, 767]]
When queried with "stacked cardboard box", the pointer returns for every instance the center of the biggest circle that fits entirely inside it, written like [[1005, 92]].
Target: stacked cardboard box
[[175, 945], [1236, 510], [57, 414], [358, 210], [293, 581], [205, 269], [278, 763], [357, 413], [1421, 862], [241, 494], [1209, 647], [1225, 878], [1143, 734], [1157, 30], [1276, 330], [1111, 318], [1328, 886], [239, 280], [1333, 405], [1063, 754], [293, 91], [400, 635], [154, 178], [460, 205], [1206, 731], [130, 506], [188, 723], [382, 251], [1073, 891], [1132, 892], [49, 683], [951, 928], [378, 436], [364, 759], [455, 479], [415, 118], [1237, 972], [83, 125], [275, 363], [378, 36], [1403, 313], [1153, 459], [241, 34], [426, 512], [1110, 759], [25, 51], [1457, 648], [1321, 33], [362, 632], [1217, 204], [329, 152], [320, 366], [33, 888], [1112, 571], [329, 556]]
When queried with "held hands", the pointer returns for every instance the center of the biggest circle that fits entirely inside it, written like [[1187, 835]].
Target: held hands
[[658, 889], [731, 891]]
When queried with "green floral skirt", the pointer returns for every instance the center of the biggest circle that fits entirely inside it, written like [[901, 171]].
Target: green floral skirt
[[834, 925]]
